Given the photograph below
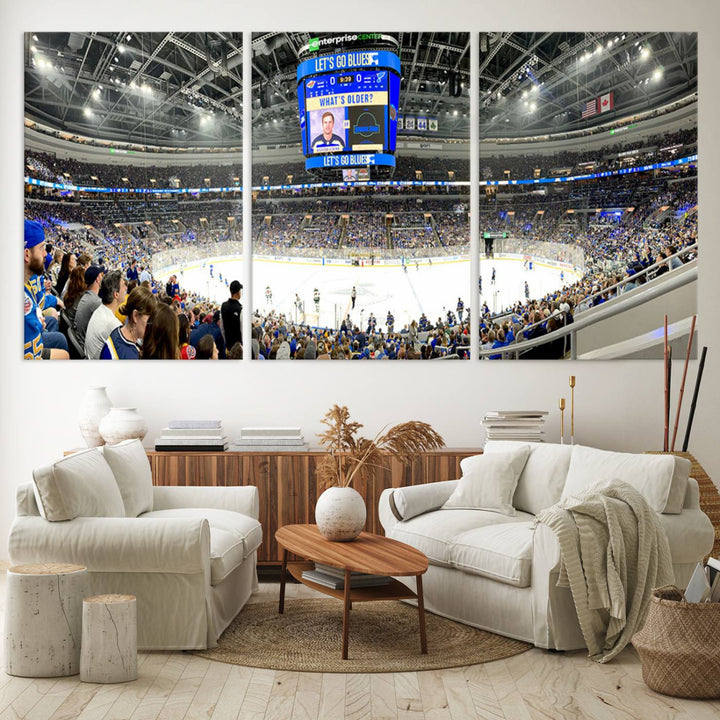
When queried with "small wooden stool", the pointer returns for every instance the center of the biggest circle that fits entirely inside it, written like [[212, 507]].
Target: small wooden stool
[[43, 619], [109, 639]]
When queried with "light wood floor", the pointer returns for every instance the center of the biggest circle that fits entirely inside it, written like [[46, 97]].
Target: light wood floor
[[178, 686]]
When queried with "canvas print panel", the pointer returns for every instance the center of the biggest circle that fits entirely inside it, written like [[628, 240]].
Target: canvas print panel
[[361, 195], [132, 193], [588, 203]]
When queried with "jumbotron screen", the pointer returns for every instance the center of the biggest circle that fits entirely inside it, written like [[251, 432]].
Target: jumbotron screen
[[348, 109]]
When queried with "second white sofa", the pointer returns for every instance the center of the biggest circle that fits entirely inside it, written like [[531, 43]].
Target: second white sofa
[[492, 569]]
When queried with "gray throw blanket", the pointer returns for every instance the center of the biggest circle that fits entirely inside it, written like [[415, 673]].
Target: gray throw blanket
[[614, 551]]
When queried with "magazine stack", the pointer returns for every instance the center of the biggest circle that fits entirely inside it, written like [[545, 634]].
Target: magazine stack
[[517, 425], [192, 435], [332, 577]]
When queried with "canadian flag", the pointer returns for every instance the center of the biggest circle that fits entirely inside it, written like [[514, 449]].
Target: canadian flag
[[606, 102]]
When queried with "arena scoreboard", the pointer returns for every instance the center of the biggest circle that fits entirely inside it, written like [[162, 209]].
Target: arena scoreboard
[[348, 110]]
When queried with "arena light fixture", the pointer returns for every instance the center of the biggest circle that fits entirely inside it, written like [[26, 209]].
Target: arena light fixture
[[645, 52], [533, 107], [657, 75], [35, 38], [121, 50]]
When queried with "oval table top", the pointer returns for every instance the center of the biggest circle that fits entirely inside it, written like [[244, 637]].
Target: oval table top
[[368, 553]]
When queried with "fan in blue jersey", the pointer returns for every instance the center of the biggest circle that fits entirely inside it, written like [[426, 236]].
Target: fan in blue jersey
[[34, 348]]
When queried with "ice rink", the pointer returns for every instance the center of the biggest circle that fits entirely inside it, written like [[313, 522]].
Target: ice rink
[[432, 289]]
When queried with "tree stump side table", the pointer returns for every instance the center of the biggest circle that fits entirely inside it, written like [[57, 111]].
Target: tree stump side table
[[109, 639], [43, 619]]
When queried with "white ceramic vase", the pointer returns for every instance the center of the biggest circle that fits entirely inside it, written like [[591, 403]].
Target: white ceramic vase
[[96, 405], [340, 514], [122, 424]]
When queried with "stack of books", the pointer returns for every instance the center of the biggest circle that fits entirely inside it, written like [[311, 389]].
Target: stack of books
[[197, 435], [332, 577], [259, 439], [518, 425]]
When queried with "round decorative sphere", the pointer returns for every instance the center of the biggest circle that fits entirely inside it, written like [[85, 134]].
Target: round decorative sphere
[[340, 513], [122, 424]]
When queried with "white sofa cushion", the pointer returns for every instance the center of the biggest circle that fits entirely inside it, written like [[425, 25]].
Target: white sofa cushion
[[79, 485], [227, 552], [501, 552], [660, 479], [407, 502], [434, 533], [488, 482], [243, 528], [542, 480], [131, 468]]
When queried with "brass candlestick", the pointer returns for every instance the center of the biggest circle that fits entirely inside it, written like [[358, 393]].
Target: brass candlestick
[[562, 420], [572, 409]]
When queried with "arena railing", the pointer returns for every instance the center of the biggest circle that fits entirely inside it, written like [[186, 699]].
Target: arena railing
[[553, 252], [618, 305], [591, 298], [645, 272], [543, 250]]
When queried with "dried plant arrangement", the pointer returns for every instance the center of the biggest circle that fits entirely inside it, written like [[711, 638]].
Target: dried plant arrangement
[[353, 458]]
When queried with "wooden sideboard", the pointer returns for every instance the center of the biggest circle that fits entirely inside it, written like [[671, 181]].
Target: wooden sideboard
[[286, 482]]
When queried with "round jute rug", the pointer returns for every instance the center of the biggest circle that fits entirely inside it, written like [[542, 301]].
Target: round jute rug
[[384, 637]]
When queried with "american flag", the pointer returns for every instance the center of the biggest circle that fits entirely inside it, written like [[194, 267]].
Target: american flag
[[589, 108]]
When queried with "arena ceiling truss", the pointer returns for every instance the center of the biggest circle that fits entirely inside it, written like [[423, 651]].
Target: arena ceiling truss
[[167, 89], [539, 83], [435, 81], [184, 90]]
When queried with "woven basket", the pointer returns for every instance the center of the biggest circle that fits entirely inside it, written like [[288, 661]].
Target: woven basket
[[680, 646]]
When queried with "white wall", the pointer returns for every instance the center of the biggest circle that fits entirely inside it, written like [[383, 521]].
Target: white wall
[[618, 404]]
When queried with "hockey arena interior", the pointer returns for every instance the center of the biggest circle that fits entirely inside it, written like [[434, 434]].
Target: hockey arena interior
[[362, 217]]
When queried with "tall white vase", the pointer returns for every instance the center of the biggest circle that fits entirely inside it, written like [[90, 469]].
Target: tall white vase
[[122, 424], [340, 513], [94, 408]]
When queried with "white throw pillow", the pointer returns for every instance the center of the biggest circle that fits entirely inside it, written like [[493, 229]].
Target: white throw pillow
[[542, 480], [79, 485], [488, 482], [660, 479], [131, 468]]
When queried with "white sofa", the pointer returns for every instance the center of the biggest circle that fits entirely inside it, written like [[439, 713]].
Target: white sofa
[[187, 553], [495, 571]]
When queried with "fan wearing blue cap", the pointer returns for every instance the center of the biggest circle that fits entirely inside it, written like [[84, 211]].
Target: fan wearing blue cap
[[34, 265]]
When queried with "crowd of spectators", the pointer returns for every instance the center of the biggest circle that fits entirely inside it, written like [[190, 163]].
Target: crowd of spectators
[[649, 216], [116, 175], [656, 148], [275, 337]]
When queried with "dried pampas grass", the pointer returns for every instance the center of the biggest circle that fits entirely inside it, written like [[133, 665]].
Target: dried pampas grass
[[354, 458]]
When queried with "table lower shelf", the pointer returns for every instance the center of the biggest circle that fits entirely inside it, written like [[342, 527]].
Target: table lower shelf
[[394, 590]]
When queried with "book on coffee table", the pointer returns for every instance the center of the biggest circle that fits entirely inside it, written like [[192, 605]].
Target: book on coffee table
[[335, 577]]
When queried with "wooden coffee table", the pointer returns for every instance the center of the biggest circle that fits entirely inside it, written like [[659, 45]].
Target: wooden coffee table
[[368, 553]]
